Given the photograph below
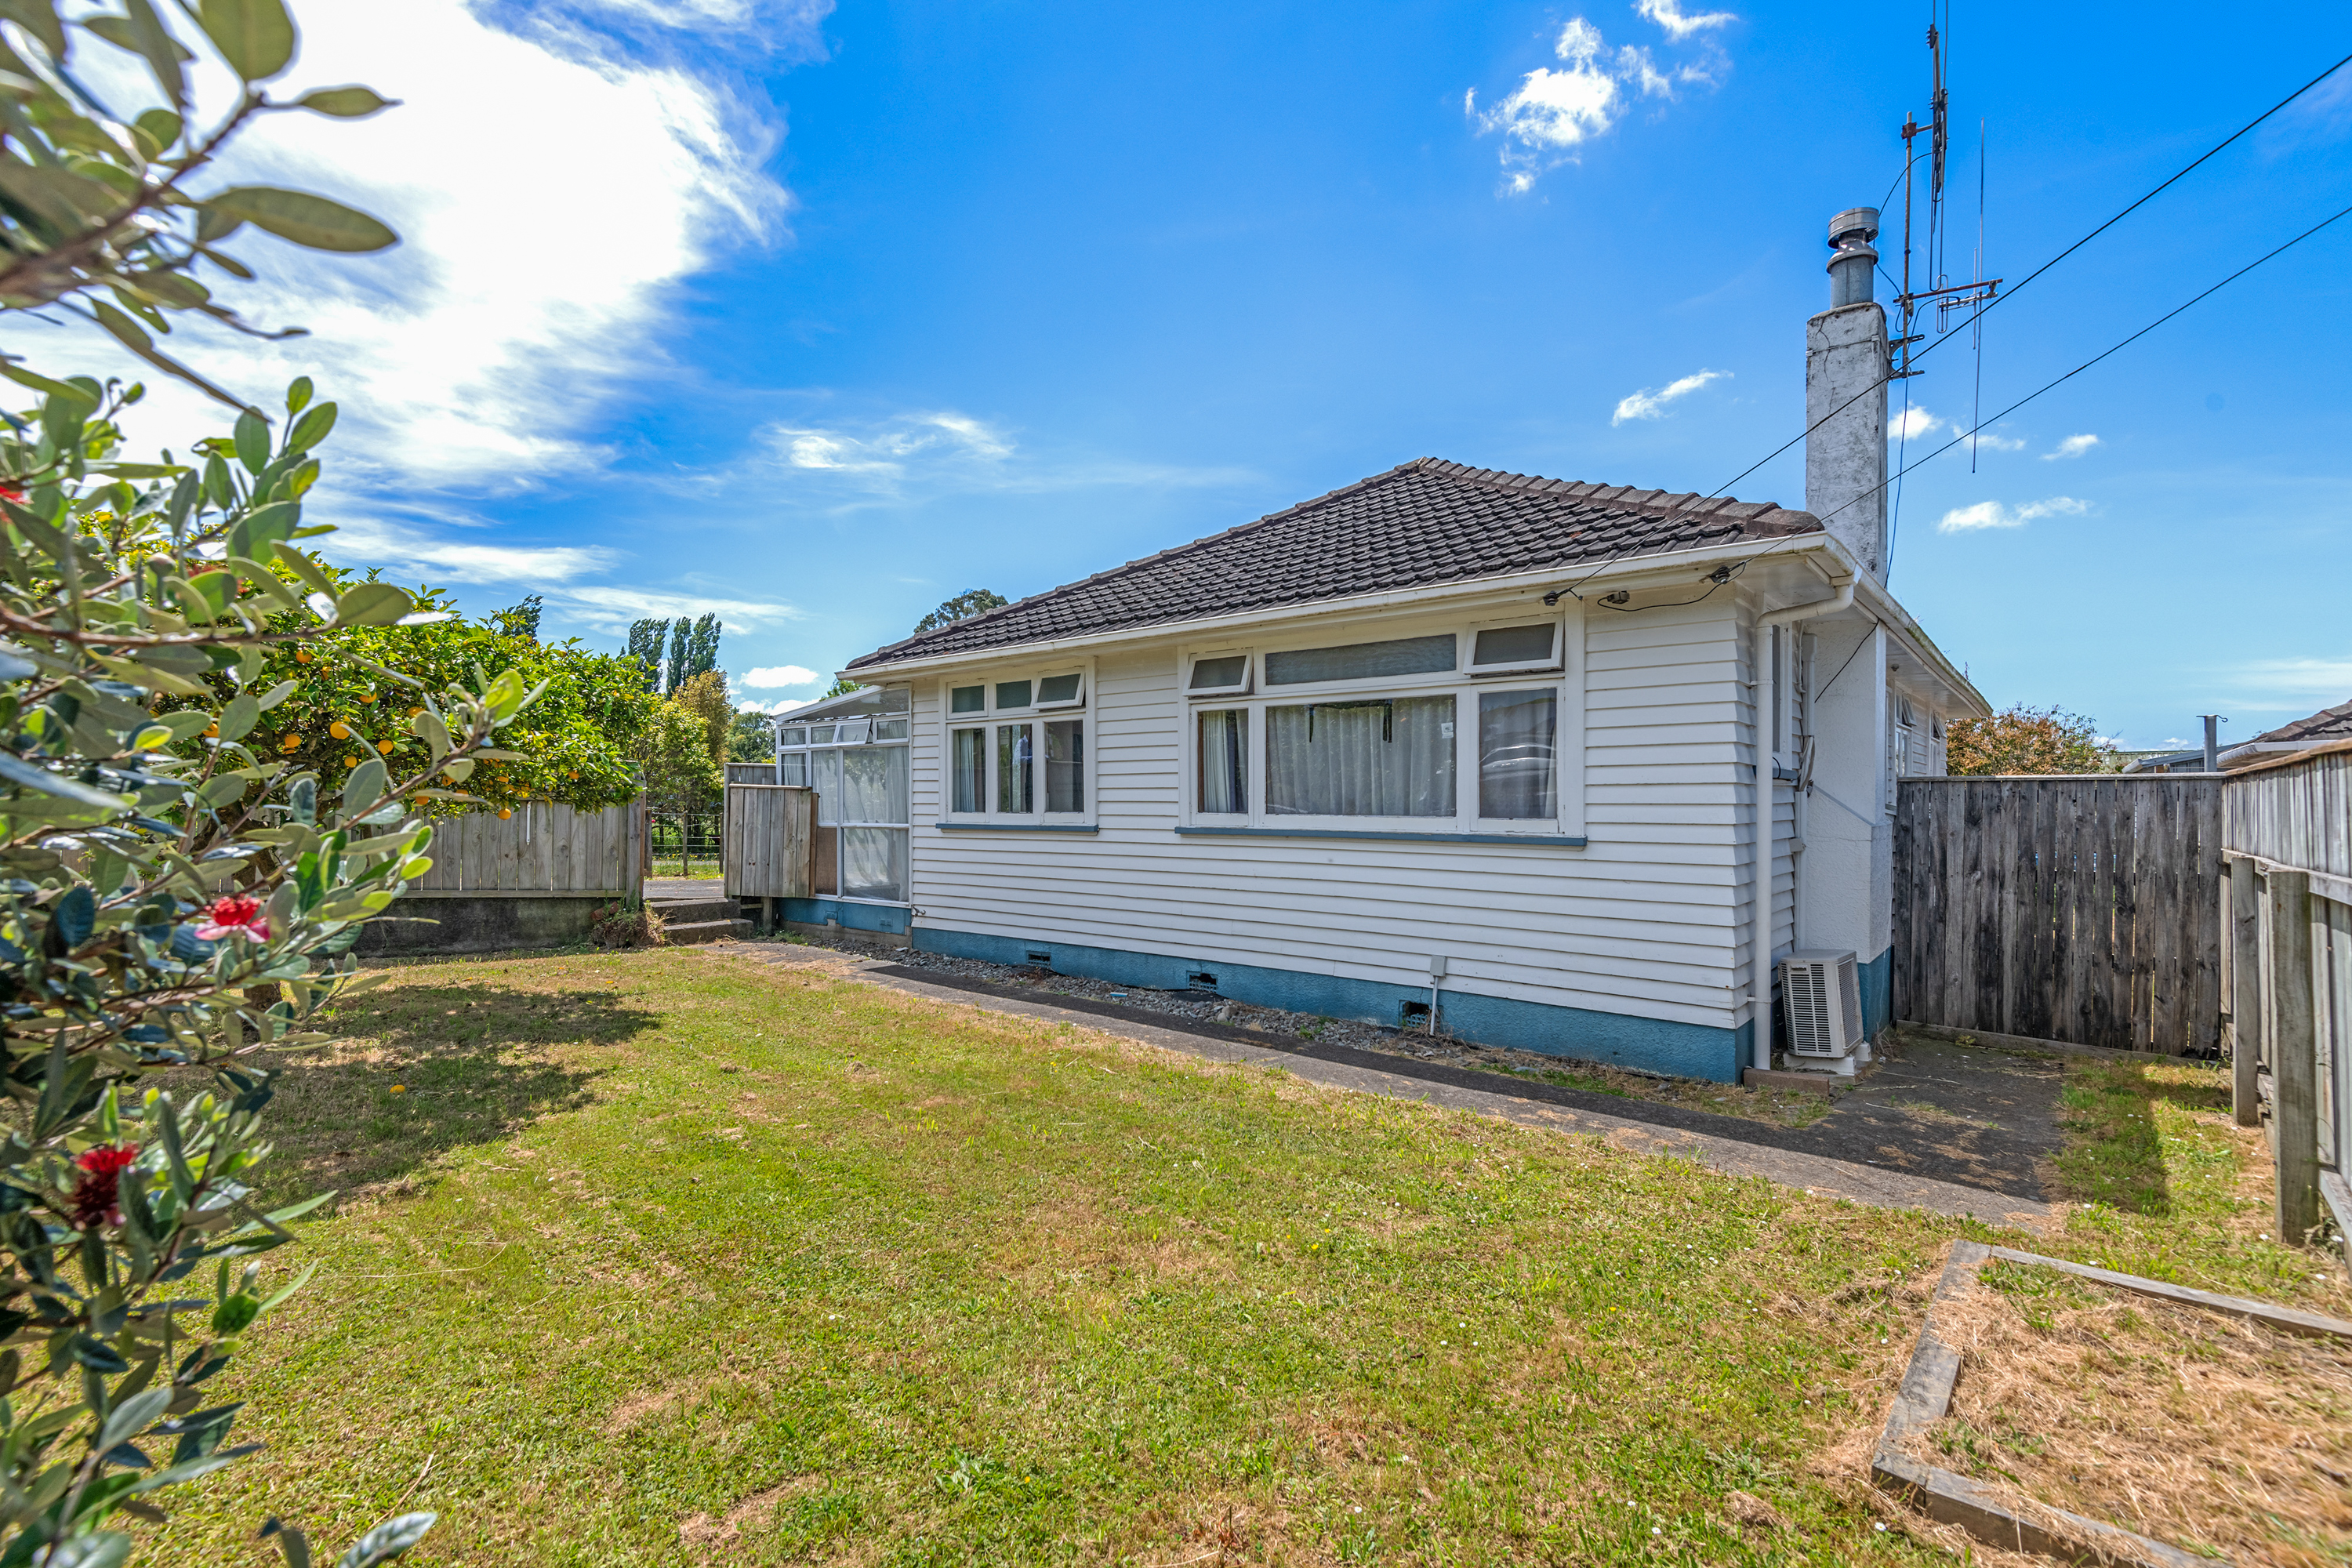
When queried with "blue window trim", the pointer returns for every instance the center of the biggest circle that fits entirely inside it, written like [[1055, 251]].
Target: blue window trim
[[1016, 827], [1544, 840]]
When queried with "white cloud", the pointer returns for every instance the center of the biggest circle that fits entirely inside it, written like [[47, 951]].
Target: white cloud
[[887, 448], [2302, 684], [1993, 443], [2071, 446], [462, 561], [1650, 402], [473, 352], [778, 675], [608, 609], [773, 709], [1993, 514], [1668, 13], [1551, 113], [1910, 424]]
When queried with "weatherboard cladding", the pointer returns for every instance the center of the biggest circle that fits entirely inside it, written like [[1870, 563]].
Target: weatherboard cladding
[[1419, 524]]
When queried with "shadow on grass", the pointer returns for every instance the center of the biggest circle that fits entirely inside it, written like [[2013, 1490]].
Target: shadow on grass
[[2114, 1144], [425, 1068]]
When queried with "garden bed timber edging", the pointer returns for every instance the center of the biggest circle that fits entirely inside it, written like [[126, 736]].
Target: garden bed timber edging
[[1926, 1393]]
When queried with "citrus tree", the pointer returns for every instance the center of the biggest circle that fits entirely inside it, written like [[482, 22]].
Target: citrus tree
[[2022, 739], [177, 891]]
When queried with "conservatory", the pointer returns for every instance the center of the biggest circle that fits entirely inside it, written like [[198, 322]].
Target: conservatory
[[853, 750]]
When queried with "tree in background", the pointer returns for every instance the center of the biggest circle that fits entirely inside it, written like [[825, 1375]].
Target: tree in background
[[646, 639], [177, 903], [842, 686], [963, 607], [693, 649], [345, 699], [2028, 740], [520, 620], [705, 697], [751, 738], [675, 753]]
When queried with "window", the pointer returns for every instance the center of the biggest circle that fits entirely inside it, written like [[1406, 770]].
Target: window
[[1219, 675], [1016, 772], [1356, 661], [1411, 735], [1223, 755], [1387, 757], [1028, 758], [1518, 762], [1066, 765], [969, 763], [854, 758], [1496, 649]]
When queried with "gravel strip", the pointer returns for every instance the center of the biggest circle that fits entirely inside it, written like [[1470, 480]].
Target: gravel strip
[[1780, 1108]]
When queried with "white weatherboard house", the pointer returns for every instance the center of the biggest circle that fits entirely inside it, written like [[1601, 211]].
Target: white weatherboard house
[[1580, 760]]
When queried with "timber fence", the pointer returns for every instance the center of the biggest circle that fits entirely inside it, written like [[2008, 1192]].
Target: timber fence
[[2083, 910], [2287, 833], [543, 850]]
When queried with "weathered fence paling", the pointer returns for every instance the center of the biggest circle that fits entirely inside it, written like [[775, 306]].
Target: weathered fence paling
[[542, 850], [2080, 908], [768, 841]]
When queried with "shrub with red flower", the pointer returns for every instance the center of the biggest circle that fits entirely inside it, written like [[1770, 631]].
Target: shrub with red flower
[[233, 916], [94, 1199]]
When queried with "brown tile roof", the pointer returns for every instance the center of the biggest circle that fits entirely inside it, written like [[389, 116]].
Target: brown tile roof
[[2327, 724], [1419, 524]]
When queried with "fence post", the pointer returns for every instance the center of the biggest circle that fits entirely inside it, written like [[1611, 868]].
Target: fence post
[[2244, 940], [2294, 1057]]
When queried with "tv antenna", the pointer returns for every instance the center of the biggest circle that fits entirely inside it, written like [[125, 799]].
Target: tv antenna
[[1941, 291]]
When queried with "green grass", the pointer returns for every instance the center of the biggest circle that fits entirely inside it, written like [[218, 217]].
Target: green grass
[[664, 1255]]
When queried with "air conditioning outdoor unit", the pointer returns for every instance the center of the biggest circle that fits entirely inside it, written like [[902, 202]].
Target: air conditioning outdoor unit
[[1821, 989]]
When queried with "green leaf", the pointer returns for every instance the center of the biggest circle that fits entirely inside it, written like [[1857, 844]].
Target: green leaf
[[373, 605], [310, 428], [133, 1417], [38, 17], [305, 567], [304, 220], [255, 36], [223, 791], [252, 443], [295, 1545], [365, 785], [163, 52], [298, 393], [237, 719], [235, 1314], [42, 383], [15, 770], [387, 1541], [263, 526], [161, 126], [344, 102], [279, 693], [105, 1549]]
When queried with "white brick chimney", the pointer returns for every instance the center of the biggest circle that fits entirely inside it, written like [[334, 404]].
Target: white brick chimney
[[1845, 371]]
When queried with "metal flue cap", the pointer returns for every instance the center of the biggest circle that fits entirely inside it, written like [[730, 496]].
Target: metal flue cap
[[1855, 224]]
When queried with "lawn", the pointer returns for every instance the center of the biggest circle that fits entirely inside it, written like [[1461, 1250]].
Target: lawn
[[676, 1256]]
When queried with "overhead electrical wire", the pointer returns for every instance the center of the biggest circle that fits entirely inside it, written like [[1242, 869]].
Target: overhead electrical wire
[[1977, 315]]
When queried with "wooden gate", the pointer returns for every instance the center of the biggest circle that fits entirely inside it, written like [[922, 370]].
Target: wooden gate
[[2082, 909], [768, 841]]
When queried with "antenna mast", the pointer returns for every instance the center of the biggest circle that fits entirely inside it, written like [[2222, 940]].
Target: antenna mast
[[1947, 297]]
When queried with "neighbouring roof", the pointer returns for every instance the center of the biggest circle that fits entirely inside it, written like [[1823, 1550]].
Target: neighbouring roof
[[1421, 523], [2327, 724]]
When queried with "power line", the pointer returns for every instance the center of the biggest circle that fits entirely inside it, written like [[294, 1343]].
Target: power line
[[2232, 278], [1978, 314]]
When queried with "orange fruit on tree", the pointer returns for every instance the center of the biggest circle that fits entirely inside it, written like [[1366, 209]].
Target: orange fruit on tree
[[301, 656], [505, 812], [385, 746], [340, 731]]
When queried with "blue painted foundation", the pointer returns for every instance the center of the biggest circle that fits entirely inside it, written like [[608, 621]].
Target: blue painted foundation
[[889, 918], [1684, 1050], [1877, 979]]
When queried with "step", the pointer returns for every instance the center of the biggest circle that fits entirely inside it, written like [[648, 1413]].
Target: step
[[706, 931], [694, 909]]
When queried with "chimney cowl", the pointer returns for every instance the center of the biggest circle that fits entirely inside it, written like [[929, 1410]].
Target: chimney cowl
[[1853, 264], [1857, 224]]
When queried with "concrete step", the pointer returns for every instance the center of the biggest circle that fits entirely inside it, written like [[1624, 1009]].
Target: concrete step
[[680, 934], [679, 909]]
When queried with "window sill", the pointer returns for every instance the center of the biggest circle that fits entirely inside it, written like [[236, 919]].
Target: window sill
[[1538, 840], [1016, 827]]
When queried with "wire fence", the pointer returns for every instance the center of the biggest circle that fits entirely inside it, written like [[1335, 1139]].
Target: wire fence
[[682, 839]]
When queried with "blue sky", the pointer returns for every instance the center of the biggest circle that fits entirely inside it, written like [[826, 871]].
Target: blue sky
[[816, 316]]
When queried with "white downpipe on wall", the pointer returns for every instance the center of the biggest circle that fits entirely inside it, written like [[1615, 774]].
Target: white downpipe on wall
[[1760, 985]]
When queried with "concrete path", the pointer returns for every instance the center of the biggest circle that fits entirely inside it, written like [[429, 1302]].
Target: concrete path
[[1729, 1144]]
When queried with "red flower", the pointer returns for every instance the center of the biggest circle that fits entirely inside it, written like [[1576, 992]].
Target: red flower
[[13, 492], [93, 1199], [234, 916]]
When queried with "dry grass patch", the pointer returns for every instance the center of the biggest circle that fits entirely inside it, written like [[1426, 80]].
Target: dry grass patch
[[2188, 1426]]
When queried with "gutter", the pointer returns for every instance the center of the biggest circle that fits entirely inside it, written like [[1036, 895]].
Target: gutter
[[1767, 838]]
